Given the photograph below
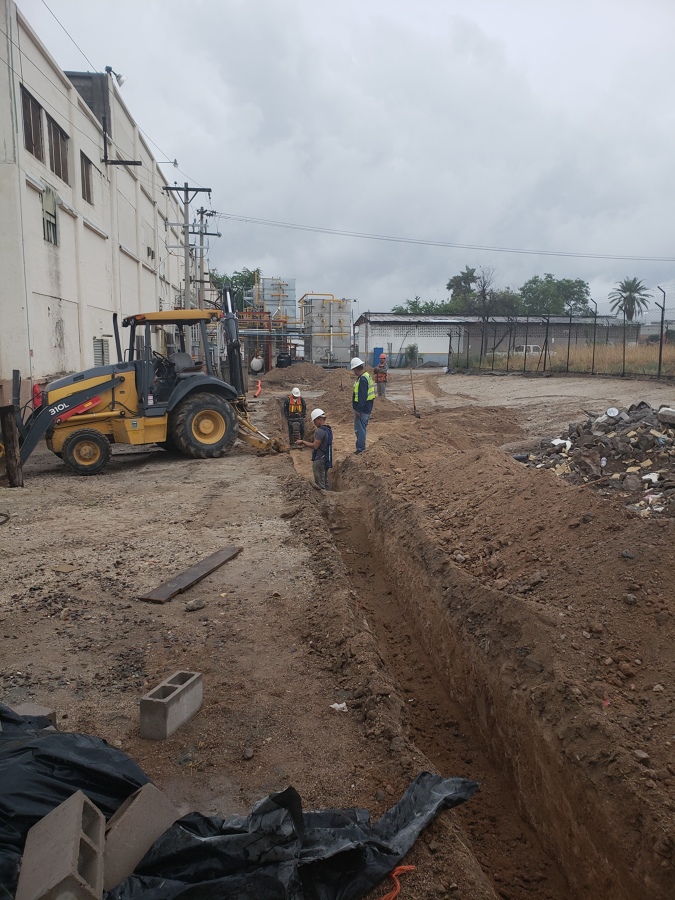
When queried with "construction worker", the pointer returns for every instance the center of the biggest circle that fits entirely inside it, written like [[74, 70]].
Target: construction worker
[[382, 375], [362, 401], [295, 410], [322, 449]]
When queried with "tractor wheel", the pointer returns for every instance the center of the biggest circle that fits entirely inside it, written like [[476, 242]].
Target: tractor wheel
[[204, 426], [86, 451], [168, 446]]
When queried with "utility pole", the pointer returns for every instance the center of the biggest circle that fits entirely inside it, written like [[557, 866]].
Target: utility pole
[[186, 189], [203, 214]]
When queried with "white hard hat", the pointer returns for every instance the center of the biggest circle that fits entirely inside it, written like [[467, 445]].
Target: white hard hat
[[356, 362], [296, 392], [317, 413]]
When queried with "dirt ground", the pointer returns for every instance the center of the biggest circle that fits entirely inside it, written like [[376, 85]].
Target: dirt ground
[[478, 618]]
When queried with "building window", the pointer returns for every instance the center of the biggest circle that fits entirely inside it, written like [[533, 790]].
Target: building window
[[101, 352], [49, 230], [58, 150], [32, 125], [85, 171]]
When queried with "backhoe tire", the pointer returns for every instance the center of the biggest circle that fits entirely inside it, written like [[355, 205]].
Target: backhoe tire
[[86, 451], [203, 426]]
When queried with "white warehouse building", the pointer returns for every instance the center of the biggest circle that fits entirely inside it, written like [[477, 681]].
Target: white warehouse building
[[82, 234], [393, 334]]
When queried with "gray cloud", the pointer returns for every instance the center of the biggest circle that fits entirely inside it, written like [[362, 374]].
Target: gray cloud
[[524, 125]]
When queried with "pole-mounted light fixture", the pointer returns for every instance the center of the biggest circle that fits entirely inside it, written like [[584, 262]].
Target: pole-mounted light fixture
[[119, 78]]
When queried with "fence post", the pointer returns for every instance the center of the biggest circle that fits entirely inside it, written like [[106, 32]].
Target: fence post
[[623, 365], [569, 341], [595, 331], [663, 314]]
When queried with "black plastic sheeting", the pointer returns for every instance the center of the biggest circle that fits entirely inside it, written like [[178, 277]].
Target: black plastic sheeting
[[277, 852], [280, 853], [40, 769]]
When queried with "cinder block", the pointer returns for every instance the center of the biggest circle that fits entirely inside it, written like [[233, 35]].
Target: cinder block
[[63, 856], [132, 830], [34, 709], [170, 705]]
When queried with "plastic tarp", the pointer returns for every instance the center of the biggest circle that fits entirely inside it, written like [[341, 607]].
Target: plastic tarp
[[40, 769], [277, 851]]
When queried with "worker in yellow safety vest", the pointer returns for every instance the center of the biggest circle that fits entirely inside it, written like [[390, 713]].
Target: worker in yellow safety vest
[[295, 410], [362, 401]]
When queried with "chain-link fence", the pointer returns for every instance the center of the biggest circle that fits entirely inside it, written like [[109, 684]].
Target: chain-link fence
[[592, 345]]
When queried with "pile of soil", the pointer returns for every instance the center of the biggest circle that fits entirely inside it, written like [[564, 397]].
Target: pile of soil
[[307, 375]]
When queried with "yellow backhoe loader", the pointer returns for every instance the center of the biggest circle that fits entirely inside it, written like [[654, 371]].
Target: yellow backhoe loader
[[161, 396]]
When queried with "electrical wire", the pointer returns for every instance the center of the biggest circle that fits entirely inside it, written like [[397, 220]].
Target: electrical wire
[[69, 35], [63, 93], [431, 243]]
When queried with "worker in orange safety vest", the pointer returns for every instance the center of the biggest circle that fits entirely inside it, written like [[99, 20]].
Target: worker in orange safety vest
[[382, 375], [295, 410]]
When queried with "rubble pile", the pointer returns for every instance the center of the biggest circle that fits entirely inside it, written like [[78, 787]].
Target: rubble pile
[[630, 449]]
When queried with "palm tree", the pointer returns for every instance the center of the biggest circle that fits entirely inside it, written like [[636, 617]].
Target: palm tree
[[630, 297]]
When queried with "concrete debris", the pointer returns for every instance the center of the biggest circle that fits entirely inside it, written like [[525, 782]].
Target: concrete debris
[[630, 449]]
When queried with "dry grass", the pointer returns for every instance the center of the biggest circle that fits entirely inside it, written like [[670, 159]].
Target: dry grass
[[641, 359]]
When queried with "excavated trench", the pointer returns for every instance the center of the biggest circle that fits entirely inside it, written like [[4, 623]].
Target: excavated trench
[[441, 723], [534, 829]]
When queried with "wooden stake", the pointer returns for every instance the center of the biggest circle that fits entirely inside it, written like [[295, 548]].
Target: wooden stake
[[10, 438]]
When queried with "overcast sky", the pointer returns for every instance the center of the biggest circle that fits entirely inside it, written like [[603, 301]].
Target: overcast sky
[[542, 125]]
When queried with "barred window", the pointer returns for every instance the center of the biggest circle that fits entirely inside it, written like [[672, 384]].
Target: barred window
[[85, 174], [58, 149], [32, 125], [49, 229], [101, 352]]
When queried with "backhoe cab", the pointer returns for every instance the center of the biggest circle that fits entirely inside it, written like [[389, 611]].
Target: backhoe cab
[[162, 396]]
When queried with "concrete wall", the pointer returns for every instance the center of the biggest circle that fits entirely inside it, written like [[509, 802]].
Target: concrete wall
[[431, 339], [110, 254]]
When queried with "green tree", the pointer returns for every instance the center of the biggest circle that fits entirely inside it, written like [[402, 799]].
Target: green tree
[[419, 307], [462, 286], [555, 296], [238, 283], [474, 294], [630, 297]]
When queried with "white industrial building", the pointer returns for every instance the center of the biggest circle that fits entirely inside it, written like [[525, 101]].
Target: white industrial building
[[467, 340], [82, 235]]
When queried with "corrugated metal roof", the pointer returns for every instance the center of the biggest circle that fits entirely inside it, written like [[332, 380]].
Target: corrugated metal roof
[[413, 319]]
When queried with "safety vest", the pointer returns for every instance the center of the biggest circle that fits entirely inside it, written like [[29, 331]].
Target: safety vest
[[371, 387], [380, 376], [294, 406]]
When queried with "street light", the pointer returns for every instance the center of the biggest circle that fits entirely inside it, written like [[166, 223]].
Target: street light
[[119, 78], [358, 312]]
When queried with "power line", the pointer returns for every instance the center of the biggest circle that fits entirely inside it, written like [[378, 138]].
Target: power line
[[60, 90], [429, 243], [69, 35]]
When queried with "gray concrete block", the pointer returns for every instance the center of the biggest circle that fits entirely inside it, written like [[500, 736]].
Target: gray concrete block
[[172, 703], [132, 830], [63, 856], [34, 709], [666, 415]]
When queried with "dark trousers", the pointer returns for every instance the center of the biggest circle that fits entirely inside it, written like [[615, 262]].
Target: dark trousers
[[293, 433]]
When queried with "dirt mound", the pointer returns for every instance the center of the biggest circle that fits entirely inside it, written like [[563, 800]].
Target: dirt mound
[[308, 375], [549, 609]]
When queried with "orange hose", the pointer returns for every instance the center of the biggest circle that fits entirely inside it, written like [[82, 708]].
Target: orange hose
[[396, 890], [258, 388]]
